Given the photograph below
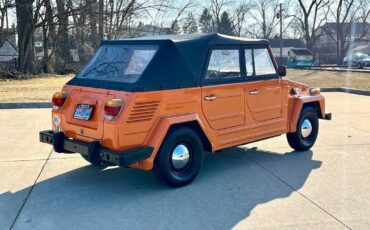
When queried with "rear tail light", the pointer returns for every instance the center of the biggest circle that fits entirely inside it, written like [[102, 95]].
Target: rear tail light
[[112, 109], [59, 98]]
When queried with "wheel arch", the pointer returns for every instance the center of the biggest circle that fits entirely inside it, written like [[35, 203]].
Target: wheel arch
[[316, 101], [164, 125]]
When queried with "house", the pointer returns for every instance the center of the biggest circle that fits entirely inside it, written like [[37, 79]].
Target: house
[[356, 33], [287, 44], [8, 54]]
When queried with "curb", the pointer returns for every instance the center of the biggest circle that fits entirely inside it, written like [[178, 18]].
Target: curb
[[341, 70], [347, 90], [25, 105]]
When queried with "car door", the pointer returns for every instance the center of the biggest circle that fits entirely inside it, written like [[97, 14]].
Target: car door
[[223, 92], [263, 88]]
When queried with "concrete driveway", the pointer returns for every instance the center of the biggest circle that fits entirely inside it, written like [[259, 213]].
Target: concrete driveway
[[260, 185]]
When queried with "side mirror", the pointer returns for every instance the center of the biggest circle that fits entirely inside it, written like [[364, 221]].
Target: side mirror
[[282, 71]]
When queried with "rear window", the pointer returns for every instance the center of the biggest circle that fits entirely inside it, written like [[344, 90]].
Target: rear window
[[302, 52], [119, 63]]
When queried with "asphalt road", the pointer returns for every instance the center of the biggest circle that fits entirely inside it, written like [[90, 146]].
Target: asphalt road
[[260, 185]]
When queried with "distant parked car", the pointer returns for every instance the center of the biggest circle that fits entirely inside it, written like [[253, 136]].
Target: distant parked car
[[299, 58], [359, 60]]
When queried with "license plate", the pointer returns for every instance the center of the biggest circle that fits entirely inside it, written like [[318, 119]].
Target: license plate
[[83, 112]]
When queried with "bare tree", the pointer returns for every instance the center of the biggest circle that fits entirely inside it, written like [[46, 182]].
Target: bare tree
[[263, 14], [28, 13], [48, 33], [91, 8], [218, 7], [180, 11], [310, 17], [239, 16], [345, 14], [5, 5], [101, 19]]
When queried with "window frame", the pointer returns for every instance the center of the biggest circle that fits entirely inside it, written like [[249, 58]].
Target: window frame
[[255, 77], [221, 81]]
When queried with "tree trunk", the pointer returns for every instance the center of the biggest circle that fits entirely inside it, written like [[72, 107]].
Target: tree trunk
[[101, 20], [48, 32], [62, 51], [91, 9], [26, 60]]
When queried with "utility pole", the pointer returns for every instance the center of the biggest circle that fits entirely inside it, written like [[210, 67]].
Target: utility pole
[[281, 33]]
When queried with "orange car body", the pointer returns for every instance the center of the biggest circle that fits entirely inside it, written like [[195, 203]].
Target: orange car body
[[224, 115]]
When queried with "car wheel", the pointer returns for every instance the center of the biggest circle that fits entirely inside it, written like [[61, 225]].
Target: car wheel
[[95, 162], [360, 65], [345, 64], [180, 157], [307, 129]]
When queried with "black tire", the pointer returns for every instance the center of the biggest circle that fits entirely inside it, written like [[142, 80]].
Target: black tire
[[360, 65], [165, 170], [296, 140], [95, 162], [345, 64]]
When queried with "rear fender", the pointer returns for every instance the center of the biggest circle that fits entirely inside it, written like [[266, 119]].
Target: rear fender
[[317, 101], [159, 132]]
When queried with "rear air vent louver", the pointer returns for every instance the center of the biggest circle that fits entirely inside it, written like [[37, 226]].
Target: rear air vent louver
[[143, 111]]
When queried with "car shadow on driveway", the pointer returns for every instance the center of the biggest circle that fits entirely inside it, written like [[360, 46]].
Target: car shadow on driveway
[[230, 184]]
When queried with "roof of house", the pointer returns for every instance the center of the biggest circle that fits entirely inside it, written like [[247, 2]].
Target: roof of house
[[362, 48], [8, 51], [355, 26], [296, 43], [178, 62]]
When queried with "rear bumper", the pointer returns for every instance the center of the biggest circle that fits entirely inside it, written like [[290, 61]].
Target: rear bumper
[[327, 116], [63, 144]]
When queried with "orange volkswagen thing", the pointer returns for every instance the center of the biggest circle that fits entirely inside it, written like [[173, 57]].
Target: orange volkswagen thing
[[158, 103]]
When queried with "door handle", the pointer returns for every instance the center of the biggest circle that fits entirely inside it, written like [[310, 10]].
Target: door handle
[[254, 92], [210, 98]]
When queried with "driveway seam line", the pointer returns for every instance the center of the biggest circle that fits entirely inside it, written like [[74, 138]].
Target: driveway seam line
[[10, 161], [361, 130], [31, 189], [286, 183]]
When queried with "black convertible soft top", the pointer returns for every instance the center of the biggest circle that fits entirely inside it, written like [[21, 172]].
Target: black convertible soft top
[[178, 63]]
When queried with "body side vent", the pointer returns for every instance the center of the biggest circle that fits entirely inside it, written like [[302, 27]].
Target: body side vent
[[143, 111]]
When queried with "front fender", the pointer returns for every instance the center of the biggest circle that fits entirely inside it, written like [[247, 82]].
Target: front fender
[[298, 102]]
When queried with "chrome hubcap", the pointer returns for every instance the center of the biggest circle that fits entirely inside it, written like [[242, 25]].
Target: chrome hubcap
[[180, 156], [306, 128]]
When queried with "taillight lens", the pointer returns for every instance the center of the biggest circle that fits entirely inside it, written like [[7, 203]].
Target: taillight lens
[[58, 100], [112, 109]]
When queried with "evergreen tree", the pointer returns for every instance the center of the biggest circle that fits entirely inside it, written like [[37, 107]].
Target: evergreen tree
[[205, 22], [226, 26], [175, 28], [190, 25]]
